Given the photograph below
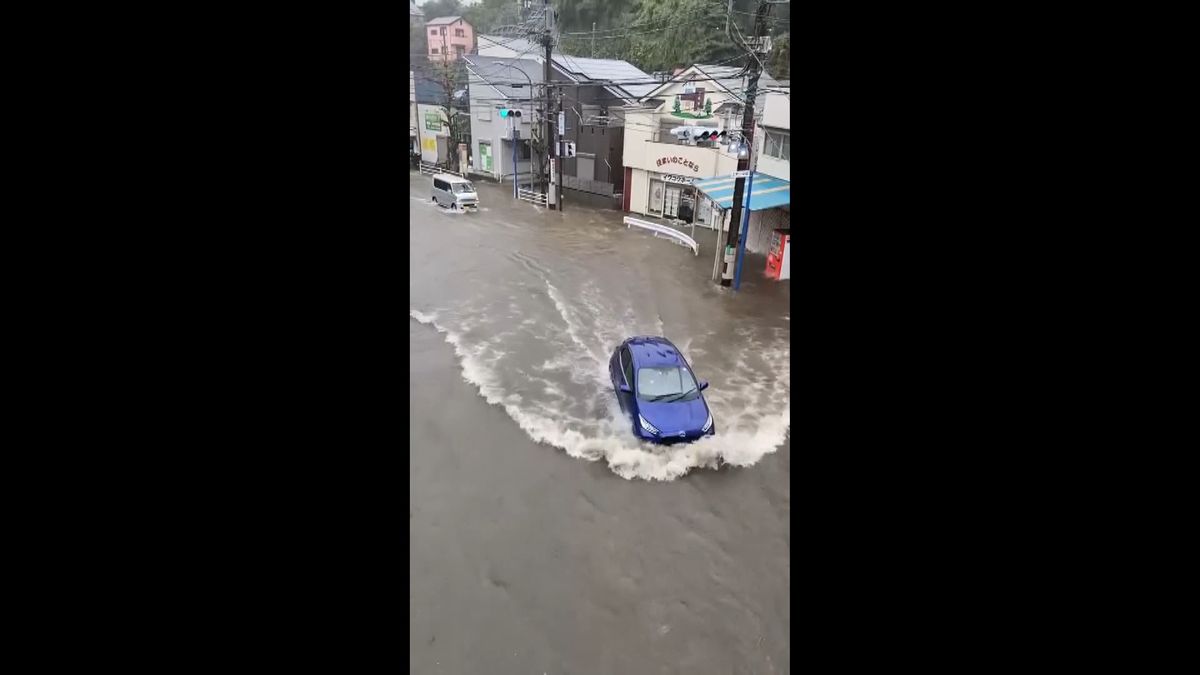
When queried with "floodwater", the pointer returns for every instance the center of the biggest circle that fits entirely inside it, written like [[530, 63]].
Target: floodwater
[[544, 537]]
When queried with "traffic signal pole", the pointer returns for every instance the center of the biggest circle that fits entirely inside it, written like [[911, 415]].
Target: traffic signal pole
[[747, 138], [548, 43], [561, 161]]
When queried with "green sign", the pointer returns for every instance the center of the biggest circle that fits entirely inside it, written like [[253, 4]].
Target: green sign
[[485, 156], [433, 121]]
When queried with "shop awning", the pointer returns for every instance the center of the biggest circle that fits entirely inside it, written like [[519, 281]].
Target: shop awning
[[768, 193]]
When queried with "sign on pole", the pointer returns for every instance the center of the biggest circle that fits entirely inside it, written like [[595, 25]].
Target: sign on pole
[[562, 123], [741, 174]]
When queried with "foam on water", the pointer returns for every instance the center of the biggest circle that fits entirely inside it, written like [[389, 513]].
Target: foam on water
[[751, 412]]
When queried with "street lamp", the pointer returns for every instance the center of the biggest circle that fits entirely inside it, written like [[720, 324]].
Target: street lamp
[[509, 65]]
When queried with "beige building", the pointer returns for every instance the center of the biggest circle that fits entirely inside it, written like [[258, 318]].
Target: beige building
[[659, 167]]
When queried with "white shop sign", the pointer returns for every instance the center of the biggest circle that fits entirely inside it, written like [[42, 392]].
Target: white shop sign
[[672, 178]]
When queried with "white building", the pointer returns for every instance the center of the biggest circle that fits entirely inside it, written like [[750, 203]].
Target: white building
[[773, 134], [659, 168], [489, 83]]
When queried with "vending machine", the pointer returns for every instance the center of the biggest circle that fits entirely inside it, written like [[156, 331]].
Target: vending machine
[[779, 258]]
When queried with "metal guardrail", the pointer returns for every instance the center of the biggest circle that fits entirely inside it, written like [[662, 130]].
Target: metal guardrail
[[590, 186], [538, 198], [430, 169], [671, 232]]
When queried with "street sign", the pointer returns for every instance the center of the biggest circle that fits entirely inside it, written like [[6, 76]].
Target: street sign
[[741, 174], [562, 123], [568, 149]]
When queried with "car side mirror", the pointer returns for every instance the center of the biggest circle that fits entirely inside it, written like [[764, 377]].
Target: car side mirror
[[625, 388], [703, 385]]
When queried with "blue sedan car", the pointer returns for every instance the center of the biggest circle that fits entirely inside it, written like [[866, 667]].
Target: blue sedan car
[[657, 389]]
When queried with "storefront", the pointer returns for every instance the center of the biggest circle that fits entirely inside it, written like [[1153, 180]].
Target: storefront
[[673, 196], [660, 181]]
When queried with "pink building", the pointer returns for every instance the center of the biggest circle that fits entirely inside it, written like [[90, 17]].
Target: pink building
[[449, 37]]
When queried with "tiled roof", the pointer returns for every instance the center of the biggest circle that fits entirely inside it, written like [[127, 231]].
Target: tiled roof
[[442, 19]]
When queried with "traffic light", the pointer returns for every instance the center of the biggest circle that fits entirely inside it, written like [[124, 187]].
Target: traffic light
[[510, 112], [715, 135]]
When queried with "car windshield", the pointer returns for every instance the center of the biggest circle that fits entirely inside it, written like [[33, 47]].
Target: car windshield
[[463, 187], [666, 383]]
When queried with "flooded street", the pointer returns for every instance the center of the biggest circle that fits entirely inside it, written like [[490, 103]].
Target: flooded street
[[544, 537]]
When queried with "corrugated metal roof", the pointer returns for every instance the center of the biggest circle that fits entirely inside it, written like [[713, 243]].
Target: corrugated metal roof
[[427, 90], [484, 67], [442, 20], [731, 78], [727, 77], [767, 192]]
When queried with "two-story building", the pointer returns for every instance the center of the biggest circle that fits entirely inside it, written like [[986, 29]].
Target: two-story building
[[660, 167], [449, 38], [595, 93], [492, 85], [662, 170]]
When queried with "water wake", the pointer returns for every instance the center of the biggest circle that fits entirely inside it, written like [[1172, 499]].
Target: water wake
[[751, 408]]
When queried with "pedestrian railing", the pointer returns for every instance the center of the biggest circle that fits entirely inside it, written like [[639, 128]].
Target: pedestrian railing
[[538, 198], [427, 168], [670, 232], [590, 186]]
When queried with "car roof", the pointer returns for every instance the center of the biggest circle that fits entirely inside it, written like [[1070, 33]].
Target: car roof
[[450, 178], [650, 351]]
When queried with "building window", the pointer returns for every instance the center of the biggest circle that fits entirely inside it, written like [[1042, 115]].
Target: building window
[[458, 32], [459, 49], [779, 145], [433, 31], [433, 50], [443, 31]]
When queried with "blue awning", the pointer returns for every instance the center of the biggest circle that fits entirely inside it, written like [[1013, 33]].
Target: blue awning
[[768, 191]]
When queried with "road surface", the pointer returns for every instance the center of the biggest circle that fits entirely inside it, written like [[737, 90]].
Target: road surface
[[544, 537]]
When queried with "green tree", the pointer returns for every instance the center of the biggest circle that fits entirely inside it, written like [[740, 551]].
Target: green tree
[[708, 106], [435, 9], [675, 108], [486, 15]]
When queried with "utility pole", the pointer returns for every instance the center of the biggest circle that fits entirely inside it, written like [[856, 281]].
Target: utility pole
[[747, 135], [594, 38], [561, 160], [548, 43]]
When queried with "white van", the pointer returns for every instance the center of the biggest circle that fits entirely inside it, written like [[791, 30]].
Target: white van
[[454, 192]]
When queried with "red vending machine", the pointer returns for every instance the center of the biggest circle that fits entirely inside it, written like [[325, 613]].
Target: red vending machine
[[779, 258]]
